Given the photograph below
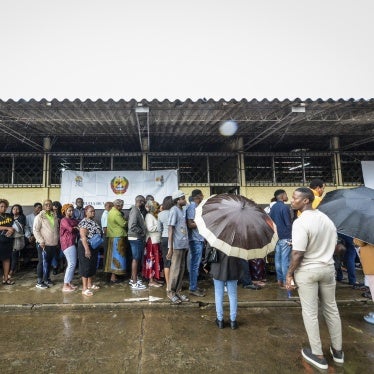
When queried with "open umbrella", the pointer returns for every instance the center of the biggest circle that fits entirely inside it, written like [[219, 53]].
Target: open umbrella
[[236, 226], [352, 211]]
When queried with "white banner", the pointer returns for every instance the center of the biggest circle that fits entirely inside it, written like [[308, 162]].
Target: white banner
[[98, 187], [368, 173]]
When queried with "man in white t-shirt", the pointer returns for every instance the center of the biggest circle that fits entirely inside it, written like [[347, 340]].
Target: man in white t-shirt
[[312, 270]]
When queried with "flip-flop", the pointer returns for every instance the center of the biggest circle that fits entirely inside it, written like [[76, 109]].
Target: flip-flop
[[8, 282], [94, 287], [65, 289], [87, 292], [156, 285], [175, 299]]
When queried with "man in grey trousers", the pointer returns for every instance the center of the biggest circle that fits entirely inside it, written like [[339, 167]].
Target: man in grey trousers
[[312, 270], [177, 247]]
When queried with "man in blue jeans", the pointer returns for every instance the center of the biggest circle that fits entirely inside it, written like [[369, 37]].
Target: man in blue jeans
[[280, 213], [196, 242], [136, 235]]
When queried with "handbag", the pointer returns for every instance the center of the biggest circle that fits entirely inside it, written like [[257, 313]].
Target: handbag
[[19, 238], [18, 243], [212, 256], [96, 241]]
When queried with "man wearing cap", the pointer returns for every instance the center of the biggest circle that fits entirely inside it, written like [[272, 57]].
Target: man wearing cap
[[196, 243], [178, 245]]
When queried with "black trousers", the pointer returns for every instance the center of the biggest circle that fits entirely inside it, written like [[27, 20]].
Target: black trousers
[[44, 271]]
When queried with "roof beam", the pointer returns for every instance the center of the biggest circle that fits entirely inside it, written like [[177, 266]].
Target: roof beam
[[358, 143], [20, 137], [142, 120]]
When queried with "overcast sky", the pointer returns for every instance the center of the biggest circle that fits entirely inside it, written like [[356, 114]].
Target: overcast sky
[[174, 49]]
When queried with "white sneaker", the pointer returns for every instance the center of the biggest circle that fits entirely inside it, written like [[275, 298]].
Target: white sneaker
[[138, 286]]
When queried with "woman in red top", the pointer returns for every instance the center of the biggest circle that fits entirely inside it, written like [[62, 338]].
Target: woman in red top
[[68, 238]]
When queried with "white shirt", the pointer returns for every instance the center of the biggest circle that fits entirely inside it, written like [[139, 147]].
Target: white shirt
[[315, 234]]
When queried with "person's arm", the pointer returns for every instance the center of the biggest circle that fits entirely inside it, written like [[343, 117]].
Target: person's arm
[[191, 224], [296, 259], [133, 222], [300, 244], [170, 242], [83, 235], [190, 214], [159, 226], [36, 230], [9, 230], [150, 223]]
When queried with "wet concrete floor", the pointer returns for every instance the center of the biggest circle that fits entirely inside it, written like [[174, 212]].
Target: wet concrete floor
[[173, 340], [121, 331]]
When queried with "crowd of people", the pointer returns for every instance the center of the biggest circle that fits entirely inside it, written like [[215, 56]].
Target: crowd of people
[[152, 241], [136, 242]]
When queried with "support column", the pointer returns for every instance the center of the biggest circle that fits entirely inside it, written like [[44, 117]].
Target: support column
[[46, 164], [241, 163], [335, 146], [145, 149]]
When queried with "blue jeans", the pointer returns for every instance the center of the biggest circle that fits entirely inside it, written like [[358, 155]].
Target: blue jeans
[[196, 251], [282, 259], [137, 249], [349, 259], [232, 288], [57, 257], [71, 258]]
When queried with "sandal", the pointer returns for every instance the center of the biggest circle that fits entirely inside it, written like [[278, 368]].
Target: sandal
[[175, 299], [154, 285], [87, 292], [67, 289], [183, 298], [259, 283], [94, 287], [8, 282], [72, 286]]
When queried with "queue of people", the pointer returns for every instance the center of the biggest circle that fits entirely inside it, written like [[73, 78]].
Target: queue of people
[[158, 237]]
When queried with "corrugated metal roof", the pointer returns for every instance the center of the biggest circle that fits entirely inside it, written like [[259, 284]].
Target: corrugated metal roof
[[185, 125]]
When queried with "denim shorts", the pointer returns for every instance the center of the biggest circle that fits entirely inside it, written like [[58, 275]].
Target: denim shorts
[[137, 249]]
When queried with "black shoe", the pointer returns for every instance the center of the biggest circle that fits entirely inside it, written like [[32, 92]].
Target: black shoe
[[338, 356], [233, 325], [320, 363], [220, 324], [55, 271]]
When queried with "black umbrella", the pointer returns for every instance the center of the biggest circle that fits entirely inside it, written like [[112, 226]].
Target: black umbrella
[[236, 226], [352, 211]]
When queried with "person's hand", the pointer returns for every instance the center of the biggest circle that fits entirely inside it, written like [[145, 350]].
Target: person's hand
[[169, 255], [32, 239], [290, 282], [87, 254], [10, 232]]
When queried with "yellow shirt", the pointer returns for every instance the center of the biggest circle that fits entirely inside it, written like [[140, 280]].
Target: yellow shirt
[[317, 199]]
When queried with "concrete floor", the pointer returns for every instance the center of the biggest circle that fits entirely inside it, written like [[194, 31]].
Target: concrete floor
[[175, 340], [119, 331]]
